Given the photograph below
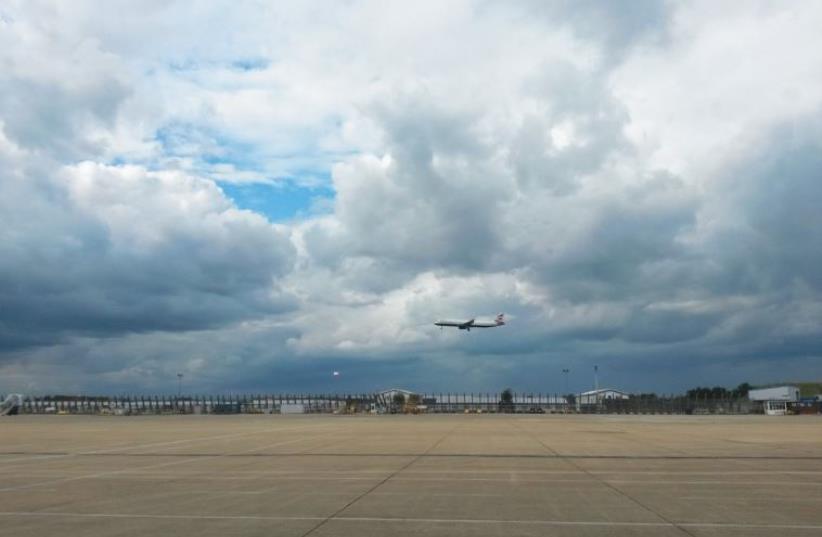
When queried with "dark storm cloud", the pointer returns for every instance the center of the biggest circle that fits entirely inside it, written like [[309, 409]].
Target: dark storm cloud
[[68, 270], [744, 281], [628, 250], [771, 238]]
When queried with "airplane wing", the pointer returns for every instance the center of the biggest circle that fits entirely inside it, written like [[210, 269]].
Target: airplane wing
[[467, 324]]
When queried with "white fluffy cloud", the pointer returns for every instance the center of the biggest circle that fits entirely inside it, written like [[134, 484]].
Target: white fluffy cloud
[[111, 250], [633, 186]]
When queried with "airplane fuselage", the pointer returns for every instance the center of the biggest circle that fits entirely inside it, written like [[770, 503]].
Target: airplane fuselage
[[471, 323]]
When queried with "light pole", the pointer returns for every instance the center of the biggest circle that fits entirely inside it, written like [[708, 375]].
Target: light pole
[[179, 384], [565, 372]]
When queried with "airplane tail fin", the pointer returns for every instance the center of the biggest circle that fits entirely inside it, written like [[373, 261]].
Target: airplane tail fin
[[500, 319]]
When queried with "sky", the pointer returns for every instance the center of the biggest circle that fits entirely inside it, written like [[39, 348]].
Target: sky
[[258, 194]]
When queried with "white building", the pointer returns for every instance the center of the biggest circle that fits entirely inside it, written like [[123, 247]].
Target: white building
[[292, 408], [594, 397], [775, 400], [389, 394], [778, 393]]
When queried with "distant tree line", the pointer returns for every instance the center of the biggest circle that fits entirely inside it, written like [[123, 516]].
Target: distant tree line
[[60, 397], [645, 396], [718, 392]]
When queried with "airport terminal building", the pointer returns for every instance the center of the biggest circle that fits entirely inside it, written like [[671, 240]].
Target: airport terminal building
[[776, 401]]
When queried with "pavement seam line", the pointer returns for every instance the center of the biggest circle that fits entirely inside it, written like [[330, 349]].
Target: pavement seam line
[[335, 515], [602, 481]]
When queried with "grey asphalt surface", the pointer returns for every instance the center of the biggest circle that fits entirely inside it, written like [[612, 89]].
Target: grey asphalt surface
[[442, 475]]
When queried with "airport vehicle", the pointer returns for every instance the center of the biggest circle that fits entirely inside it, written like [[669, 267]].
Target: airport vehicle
[[472, 323]]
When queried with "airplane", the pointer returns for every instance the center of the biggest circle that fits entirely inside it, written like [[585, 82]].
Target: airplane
[[472, 323]]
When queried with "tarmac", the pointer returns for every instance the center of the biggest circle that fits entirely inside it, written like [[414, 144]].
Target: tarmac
[[427, 475]]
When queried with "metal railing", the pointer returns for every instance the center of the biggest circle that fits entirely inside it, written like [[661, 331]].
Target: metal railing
[[378, 403]]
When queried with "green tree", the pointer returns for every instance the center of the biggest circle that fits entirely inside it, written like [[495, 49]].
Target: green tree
[[506, 401], [398, 401], [742, 390]]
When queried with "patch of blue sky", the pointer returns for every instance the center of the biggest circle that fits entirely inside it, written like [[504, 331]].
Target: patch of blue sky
[[250, 64], [184, 65], [277, 186], [280, 201]]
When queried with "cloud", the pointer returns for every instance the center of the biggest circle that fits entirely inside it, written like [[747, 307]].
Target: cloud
[[616, 28], [57, 101], [769, 195], [106, 250], [430, 200], [635, 186]]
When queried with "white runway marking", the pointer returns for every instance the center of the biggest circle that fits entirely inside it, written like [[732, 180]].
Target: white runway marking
[[130, 447], [769, 499], [35, 458], [136, 473], [153, 466], [601, 523], [510, 473]]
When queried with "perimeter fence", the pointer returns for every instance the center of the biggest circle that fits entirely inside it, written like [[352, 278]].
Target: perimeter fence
[[381, 403]]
